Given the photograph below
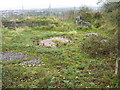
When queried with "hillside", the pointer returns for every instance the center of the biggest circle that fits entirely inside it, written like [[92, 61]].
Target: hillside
[[50, 52]]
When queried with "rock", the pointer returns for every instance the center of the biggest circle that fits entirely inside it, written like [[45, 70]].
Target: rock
[[50, 43], [47, 42], [104, 40], [80, 21], [33, 62], [93, 33]]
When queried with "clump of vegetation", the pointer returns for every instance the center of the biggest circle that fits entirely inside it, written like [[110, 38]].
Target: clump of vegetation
[[60, 43], [37, 22], [97, 45], [42, 20]]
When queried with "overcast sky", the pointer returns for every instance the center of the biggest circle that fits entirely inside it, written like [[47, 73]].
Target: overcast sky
[[30, 4]]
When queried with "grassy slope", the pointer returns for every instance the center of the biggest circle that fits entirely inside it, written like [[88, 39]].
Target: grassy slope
[[65, 66]]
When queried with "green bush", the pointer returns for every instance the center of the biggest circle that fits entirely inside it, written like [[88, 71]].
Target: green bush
[[97, 15], [86, 13], [97, 45], [82, 28]]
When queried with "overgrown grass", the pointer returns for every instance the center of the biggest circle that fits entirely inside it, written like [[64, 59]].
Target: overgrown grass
[[66, 66]]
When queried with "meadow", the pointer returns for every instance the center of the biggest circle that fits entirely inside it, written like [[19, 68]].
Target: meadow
[[58, 52], [85, 62]]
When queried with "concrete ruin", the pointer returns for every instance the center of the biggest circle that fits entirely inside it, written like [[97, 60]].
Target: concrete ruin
[[17, 24], [81, 22]]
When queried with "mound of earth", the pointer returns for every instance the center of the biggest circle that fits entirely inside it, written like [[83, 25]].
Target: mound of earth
[[50, 43]]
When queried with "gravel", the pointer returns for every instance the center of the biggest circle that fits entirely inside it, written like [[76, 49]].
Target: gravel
[[31, 62], [13, 56], [7, 56]]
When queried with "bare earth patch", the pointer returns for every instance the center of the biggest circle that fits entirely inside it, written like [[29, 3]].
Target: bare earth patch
[[50, 43]]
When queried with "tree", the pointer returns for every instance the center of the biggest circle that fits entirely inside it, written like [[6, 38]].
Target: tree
[[112, 12], [70, 15], [85, 13]]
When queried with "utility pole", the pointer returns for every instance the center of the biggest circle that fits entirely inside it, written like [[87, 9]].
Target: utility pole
[[22, 9], [49, 9], [74, 12]]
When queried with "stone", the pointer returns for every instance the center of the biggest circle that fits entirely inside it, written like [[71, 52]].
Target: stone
[[50, 43], [33, 62], [80, 21], [92, 33], [104, 40]]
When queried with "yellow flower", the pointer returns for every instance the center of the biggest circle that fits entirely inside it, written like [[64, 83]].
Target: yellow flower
[[27, 44], [76, 77], [89, 72]]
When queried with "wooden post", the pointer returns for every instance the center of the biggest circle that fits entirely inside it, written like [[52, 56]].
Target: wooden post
[[117, 68]]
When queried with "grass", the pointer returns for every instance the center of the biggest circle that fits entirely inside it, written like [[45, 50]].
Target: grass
[[64, 67]]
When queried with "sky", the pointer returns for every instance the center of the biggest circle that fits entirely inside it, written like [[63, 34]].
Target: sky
[[31, 4]]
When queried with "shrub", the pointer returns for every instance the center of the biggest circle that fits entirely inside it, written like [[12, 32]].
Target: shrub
[[97, 45], [82, 28], [86, 13], [97, 15], [43, 27]]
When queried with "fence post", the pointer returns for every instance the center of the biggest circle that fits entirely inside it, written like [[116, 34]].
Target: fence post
[[117, 68]]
